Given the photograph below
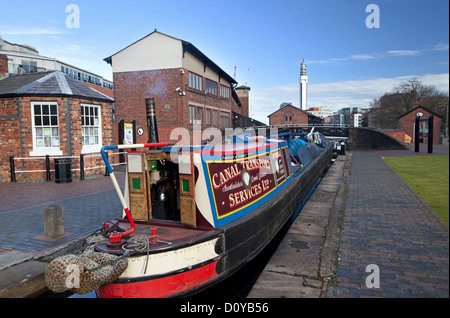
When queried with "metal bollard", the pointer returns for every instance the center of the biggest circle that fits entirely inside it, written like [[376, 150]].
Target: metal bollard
[[81, 166], [13, 169], [47, 168]]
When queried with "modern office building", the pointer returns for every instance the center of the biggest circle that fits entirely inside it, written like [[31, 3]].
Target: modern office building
[[25, 59]]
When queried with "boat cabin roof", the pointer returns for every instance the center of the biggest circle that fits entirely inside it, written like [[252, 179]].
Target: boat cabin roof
[[228, 148]]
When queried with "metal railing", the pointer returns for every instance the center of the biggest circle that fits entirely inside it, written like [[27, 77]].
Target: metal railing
[[48, 170], [341, 131]]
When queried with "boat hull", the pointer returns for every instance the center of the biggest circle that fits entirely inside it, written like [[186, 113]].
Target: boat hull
[[161, 287], [238, 243]]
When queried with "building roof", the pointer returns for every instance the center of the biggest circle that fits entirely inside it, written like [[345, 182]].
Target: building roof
[[187, 47], [416, 108], [53, 83], [288, 105]]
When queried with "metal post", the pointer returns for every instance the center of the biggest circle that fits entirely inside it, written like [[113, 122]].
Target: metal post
[[47, 168], [416, 135], [446, 124], [106, 167], [430, 134], [13, 169], [81, 166]]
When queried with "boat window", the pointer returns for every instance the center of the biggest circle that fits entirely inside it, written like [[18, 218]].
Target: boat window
[[186, 186], [136, 183]]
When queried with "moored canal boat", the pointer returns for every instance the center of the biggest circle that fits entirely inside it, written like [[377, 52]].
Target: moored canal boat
[[192, 216]]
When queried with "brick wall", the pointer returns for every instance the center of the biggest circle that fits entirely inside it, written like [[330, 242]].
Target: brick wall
[[3, 65], [398, 134], [16, 136], [367, 138], [172, 109], [298, 117]]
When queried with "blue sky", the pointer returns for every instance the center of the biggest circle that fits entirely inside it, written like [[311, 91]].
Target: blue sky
[[348, 64]]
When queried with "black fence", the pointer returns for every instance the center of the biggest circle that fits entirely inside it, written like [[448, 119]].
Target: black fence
[[336, 131], [62, 166]]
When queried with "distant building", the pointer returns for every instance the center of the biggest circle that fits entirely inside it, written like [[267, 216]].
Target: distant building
[[337, 119], [321, 112], [288, 114], [407, 122], [351, 116], [25, 59], [355, 120]]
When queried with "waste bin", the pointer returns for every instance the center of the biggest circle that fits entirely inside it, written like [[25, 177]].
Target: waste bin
[[63, 172]]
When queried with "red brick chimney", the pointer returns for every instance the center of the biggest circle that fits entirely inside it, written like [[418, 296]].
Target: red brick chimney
[[243, 93], [3, 65]]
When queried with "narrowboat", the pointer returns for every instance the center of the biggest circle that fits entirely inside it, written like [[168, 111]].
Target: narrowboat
[[194, 215]]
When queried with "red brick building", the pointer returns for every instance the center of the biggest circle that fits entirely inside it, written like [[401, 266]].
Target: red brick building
[[288, 114], [407, 121], [50, 113], [187, 87]]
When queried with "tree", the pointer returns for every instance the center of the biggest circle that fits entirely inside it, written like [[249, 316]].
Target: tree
[[409, 94]]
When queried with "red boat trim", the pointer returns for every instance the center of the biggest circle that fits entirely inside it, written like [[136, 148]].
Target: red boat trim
[[168, 286]]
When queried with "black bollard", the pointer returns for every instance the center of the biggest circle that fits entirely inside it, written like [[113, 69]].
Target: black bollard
[[416, 135], [13, 169], [430, 134]]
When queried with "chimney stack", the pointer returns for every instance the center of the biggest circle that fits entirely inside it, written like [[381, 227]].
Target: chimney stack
[[151, 120], [3, 66], [243, 93]]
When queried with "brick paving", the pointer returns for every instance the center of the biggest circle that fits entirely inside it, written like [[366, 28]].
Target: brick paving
[[385, 223]]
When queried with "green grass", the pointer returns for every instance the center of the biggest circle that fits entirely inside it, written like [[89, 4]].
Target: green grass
[[428, 176]]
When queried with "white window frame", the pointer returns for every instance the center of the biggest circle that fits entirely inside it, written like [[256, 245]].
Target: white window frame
[[92, 148], [42, 151]]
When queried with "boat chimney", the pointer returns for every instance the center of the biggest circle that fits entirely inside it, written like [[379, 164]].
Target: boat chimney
[[151, 120]]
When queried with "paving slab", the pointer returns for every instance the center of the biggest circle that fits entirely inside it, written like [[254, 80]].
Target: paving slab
[[276, 285], [25, 280], [303, 262], [309, 225], [317, 208]]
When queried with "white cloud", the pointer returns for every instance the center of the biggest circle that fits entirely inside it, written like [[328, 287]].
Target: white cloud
[[355, 57], [403, 52], [7, 30], [373, 56], [441, 47], [335, 95]]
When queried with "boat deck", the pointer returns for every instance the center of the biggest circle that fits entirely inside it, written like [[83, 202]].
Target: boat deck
[[169, 235]]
